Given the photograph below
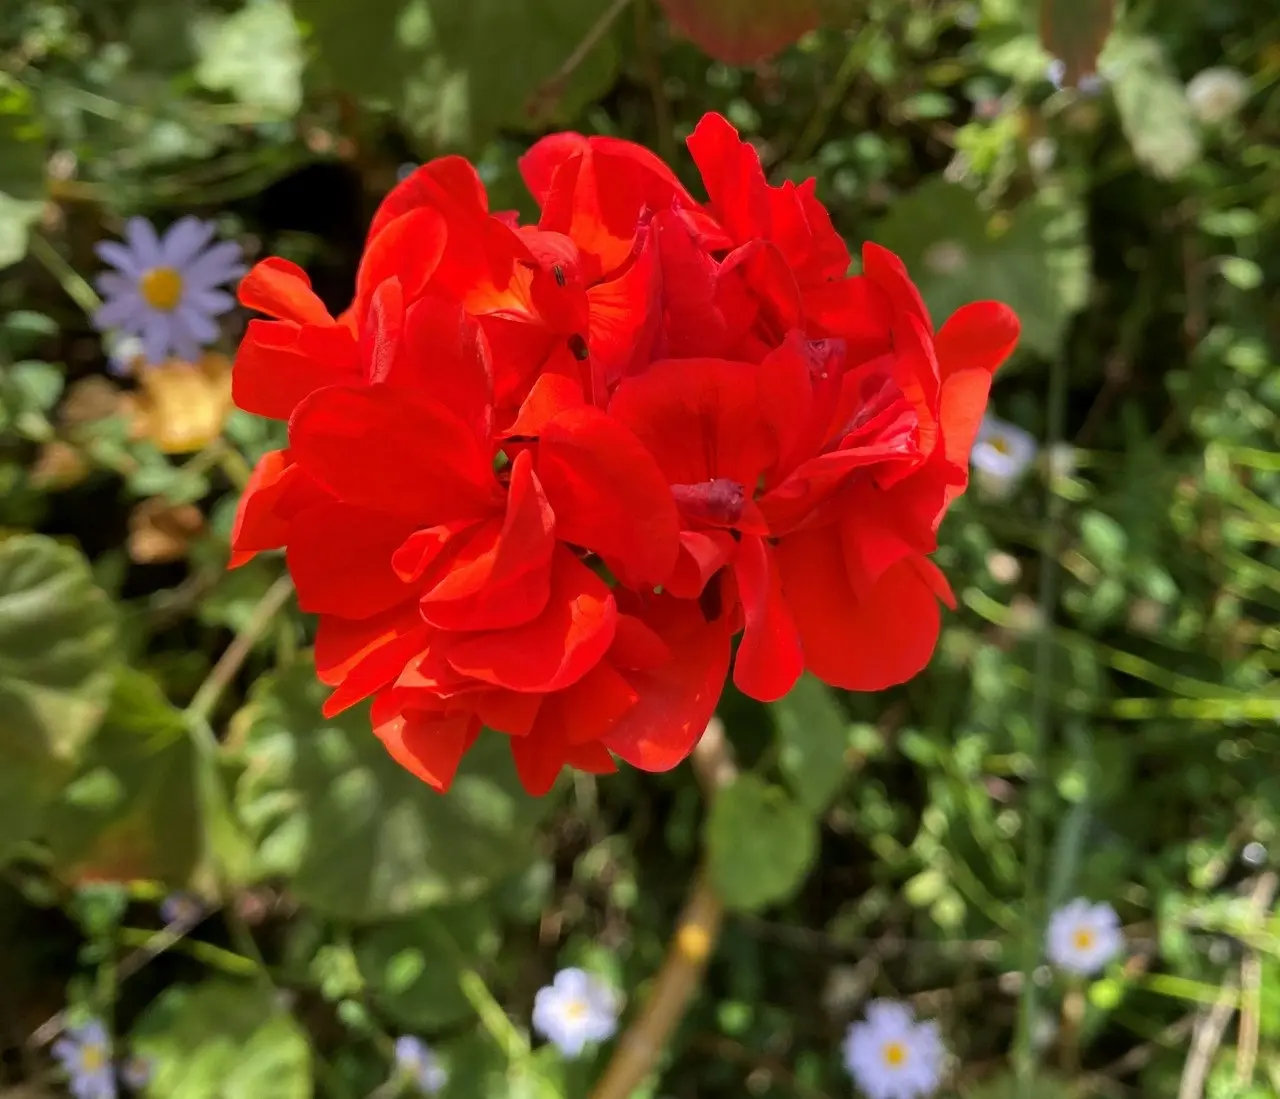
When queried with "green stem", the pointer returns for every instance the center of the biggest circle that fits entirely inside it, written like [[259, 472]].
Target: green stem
[[1024, 1053], [76, 286], [514, 1044]]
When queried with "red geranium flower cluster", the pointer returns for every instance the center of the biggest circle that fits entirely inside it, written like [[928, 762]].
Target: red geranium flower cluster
[[539, 477]]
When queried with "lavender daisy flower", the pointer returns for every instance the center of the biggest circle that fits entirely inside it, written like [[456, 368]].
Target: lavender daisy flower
[[167, 291], [892, 1056], [416, 1063], [84, 1052], [183, 908], [576, 1008]]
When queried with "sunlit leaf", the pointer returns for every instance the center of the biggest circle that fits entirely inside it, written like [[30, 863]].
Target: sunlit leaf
[[132, 811], [57, 664], [22, 153], [223, 1041], [813, 734], [361, 837], [255, 54], [1153, 108], [760, 844], [1075, 31], [1033, 258]]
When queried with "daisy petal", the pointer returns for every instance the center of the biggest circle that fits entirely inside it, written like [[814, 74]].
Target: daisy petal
[[183, 241], [212, 303], [143, 242], [121, 311], [198, 323], [120, 257], [221, 263], [157, 334]]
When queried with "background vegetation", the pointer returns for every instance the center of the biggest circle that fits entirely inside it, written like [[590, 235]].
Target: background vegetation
[[1102, 717]]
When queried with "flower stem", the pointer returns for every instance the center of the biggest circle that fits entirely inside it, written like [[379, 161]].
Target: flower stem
[[76, 286]]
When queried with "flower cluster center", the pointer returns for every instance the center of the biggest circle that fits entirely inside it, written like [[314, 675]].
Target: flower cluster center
[[894, 1054], [1082, 938]]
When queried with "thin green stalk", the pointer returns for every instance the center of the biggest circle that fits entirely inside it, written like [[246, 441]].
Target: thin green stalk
[[76, 286], [1024, 1053]]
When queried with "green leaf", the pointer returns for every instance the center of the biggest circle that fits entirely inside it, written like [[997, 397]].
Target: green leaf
[[223, 1041], [1104, 539], [57, 659], [1034, 258], [133, 810], [362, 837], [254, 55], [1153, 107], [1075, 31], [22, 181], [760, 844], [463, 69], [813, 733], [412, 966]]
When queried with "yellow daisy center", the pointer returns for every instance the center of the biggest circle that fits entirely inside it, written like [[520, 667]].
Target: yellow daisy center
[[1000, 444], [161, 288], [92, 1058], [894, 1054], [1082, 938], [575, 1010]]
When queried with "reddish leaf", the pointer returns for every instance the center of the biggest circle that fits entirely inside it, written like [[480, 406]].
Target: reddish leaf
[[1074, 31], [739, 32]]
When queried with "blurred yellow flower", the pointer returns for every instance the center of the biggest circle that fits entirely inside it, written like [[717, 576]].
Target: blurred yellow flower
[[181, 406]]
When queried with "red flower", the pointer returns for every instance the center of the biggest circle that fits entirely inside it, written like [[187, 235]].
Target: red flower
[[538, 477]]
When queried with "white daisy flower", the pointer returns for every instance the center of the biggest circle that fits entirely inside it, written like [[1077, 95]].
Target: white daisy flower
[[1083, 937], [1001, 455], [416, 1063], [1214, 95], [167, 291], [892, 1056], [576, 1008]]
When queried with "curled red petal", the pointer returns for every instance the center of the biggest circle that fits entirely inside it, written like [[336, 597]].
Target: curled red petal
[[502, 577], [276, 491], [860, 643], [449, 184], [557, 648], [408, 248], [361, 657], [769, 659], [551, 395], [278, 364], [510, 712], [282, 289], [702, 555], [608, 494], [733, 176], [429, 745], [676, 700]]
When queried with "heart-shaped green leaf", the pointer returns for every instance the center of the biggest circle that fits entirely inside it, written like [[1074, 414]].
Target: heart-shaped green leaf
[[57, 665], [360, 836]]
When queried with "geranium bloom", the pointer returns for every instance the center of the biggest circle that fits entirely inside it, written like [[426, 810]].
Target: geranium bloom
[[167, 290], [537, 477]]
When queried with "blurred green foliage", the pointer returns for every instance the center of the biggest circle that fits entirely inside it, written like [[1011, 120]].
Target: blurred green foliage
[[873, 845]]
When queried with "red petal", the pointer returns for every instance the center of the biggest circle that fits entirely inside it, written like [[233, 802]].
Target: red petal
[[636, 646], [585, 711], [608, 494], [400, 637], [702, 555], [408, 248], [551, 394], [692, 326], [624, 315], [889, 273], [393, 451], [733, 176], [340, 560], [449, 184], [978, 336], [700, 418], [539, 761], [502, 578], [678, 699], [383, 327], [864, 644], [446, 355], [282, 289], [422, 548], [428, 745], [276, 491], [802, 229], [278, 364], [591, 757], [510, 712], [769, 659], [558, 647]]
